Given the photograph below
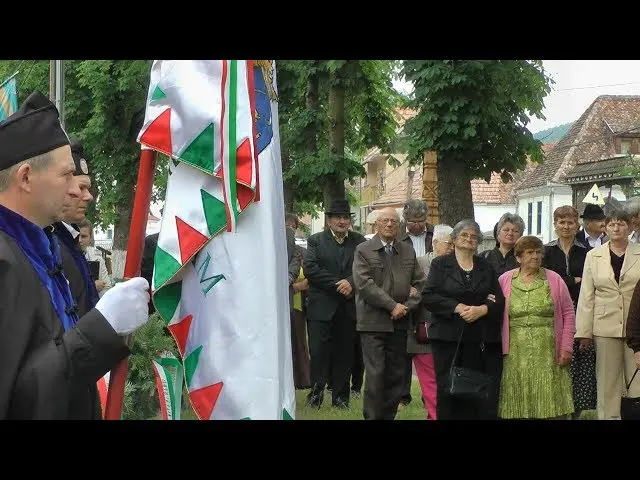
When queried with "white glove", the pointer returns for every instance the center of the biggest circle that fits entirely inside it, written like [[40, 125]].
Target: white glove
[[126, 305]]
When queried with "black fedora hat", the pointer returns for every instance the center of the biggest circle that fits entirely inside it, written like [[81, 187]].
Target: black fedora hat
[[339, 207], [593, 212]]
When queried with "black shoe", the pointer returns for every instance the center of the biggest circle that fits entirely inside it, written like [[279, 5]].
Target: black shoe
[[341, 405]]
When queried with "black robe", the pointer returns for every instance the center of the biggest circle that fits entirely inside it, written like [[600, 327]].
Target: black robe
[[47, 373]]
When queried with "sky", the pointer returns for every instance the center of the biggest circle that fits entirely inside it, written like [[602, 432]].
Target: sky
[[577, 84]]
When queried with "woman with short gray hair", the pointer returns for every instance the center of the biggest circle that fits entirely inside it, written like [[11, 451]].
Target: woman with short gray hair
[[632, 207], [416, 346], [508, 230], [466, 304]]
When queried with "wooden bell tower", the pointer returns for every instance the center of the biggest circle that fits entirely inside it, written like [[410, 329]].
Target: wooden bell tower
[[430, 186]]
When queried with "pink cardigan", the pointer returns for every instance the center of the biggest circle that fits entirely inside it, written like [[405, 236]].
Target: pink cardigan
[[564, 318]]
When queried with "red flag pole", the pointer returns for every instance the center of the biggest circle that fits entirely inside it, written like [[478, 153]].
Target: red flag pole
[[139, 217]]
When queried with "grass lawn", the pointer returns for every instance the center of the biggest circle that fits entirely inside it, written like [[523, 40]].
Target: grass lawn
[[414, 411]]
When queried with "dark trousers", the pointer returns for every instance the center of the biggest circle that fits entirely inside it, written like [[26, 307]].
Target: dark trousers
[[406, 380], [331, 351], [384, 356], [357, 369], [470, 356]]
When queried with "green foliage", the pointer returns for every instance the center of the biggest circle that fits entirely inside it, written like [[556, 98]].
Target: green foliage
[[476, 112], [141, 396], [369, 103], [104, 107]]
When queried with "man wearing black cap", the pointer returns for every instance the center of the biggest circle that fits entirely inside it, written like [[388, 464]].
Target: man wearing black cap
[[74, 262], [331, 309], [592, 232], [51, 359]]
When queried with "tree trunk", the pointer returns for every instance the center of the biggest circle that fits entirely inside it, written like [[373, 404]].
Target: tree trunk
[[312, 104], [287, 191], [123, 221], [334, 186], [455, 202]]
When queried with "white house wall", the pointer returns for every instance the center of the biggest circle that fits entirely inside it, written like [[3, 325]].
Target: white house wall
[[548, 198], [488, 215]]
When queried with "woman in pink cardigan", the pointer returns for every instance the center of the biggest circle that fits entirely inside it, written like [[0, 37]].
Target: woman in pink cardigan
[[537, 338]]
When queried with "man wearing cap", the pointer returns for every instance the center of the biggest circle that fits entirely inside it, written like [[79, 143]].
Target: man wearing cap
[[67, 233], [51, 359], [331, 309], [592, 232]]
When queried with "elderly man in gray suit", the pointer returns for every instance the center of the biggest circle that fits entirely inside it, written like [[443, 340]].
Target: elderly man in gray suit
[[388, 283]]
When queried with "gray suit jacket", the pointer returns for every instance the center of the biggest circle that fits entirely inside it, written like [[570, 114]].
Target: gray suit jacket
[[381, 282]]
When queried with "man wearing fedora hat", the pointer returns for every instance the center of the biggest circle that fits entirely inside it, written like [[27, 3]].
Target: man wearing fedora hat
[[331, 310], [592, 232]]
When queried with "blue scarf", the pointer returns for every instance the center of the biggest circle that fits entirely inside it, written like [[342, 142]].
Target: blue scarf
[[44, 255], [63, 234]]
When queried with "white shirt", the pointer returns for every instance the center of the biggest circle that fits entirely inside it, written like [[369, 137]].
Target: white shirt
[[418, 242], [594, 241], [74, 233]]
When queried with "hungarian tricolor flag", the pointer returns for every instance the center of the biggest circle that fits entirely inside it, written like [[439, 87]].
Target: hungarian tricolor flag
[[220, 271]]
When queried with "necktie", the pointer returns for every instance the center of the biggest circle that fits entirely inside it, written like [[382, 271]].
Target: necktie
[[387, 249]]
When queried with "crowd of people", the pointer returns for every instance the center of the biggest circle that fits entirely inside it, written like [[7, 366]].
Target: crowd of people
[[524, 330], [519, 331]]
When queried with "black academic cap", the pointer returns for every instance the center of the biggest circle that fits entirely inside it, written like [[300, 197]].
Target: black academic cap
[[77, 151], [31, 131]]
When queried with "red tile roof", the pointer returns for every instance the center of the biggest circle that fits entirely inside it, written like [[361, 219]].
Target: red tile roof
[[590, 138], [495, 192]]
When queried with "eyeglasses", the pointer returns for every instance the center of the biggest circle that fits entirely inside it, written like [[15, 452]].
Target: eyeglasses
[[469, 236], [392, 221]]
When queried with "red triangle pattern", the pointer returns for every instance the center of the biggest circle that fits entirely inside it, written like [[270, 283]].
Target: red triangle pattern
[[190, 240], [158, 133], [244, 162], [180, 332], [245, 196], [204, 400]]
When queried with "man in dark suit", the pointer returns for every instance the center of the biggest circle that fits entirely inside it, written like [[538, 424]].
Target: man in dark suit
[[330, 305], [592, 234], [67, 233], [50, 357]]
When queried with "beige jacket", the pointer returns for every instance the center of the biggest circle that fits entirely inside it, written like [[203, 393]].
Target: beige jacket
[[603, 305]]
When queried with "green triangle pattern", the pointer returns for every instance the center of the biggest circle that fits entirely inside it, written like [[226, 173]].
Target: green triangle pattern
[[158, 94], [190, 364], [167, 299], [286, 415], [246, 418], [200, 153], [164, 267], [214, 212]]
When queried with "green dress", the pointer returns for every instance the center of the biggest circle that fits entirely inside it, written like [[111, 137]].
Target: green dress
[[533, 384]]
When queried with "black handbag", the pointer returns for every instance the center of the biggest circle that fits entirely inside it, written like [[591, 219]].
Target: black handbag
[[630, 407], [468, 384]]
